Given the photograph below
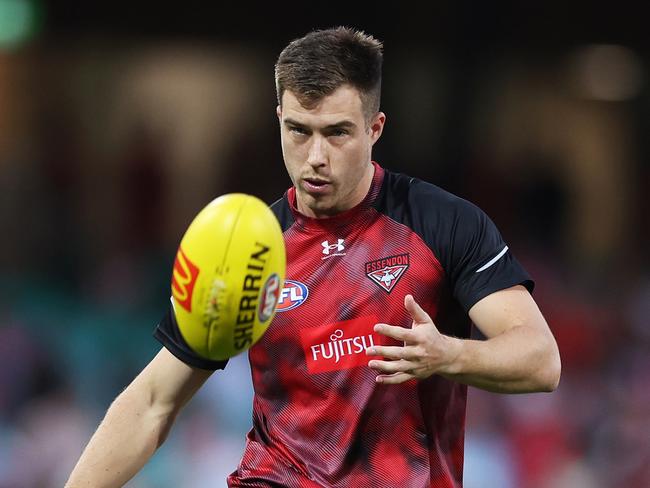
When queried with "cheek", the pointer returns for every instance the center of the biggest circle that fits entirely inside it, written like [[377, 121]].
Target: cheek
[[292, 161], [291, 168], [356, 160], [286, 150], [291, 150]]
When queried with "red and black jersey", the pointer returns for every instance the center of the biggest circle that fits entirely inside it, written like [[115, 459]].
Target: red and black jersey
[[319, 417]]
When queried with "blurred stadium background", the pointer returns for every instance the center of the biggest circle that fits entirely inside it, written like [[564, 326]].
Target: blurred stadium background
[[118, 122]]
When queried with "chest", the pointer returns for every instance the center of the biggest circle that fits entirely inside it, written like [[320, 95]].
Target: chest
[[341, 282]]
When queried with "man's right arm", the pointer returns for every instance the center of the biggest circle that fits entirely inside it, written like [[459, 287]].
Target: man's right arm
[[137, 422]]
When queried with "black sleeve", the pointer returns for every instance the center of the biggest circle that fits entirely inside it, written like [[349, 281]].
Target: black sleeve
[[168, 334], [470, 248], [479, 260]]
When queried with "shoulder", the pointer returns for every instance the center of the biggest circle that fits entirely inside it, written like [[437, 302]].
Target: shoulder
[[423, 201], [282, 212], [279, 205], [430, 197]]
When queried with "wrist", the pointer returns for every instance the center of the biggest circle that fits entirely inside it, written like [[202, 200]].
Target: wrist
[[454, 348]]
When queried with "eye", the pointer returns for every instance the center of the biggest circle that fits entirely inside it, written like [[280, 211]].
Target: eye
[[339, 130], [297, 130]]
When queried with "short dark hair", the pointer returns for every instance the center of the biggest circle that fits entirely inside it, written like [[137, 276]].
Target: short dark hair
[[317, 64]]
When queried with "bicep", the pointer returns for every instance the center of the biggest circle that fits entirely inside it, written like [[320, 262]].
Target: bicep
[[168, 382], [506, 309]]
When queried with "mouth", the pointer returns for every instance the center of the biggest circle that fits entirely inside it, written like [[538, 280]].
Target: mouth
[[316, 181], [316, 185]]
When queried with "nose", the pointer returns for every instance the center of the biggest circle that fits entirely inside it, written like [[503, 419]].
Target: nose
[[317, 155]]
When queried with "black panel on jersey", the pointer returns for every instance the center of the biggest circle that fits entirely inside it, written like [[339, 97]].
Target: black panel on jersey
[[168, 334], [461, 236], [283, 212]]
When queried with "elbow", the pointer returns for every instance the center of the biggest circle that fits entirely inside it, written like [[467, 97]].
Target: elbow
[[550, 371]]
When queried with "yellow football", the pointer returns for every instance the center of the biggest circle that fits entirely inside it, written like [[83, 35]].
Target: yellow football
[[228, 275]]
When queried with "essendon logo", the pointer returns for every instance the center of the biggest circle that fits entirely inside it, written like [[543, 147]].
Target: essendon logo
[[386, 272], [183, 280], [341, 345]]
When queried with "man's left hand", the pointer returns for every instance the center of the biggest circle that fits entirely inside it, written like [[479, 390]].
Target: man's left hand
[[425, 351]]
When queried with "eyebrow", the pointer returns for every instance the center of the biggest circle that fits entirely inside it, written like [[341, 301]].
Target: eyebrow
[[339, 125]]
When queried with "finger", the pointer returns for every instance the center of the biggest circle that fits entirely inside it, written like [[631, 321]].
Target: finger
[[392, 352], [399, 366], [393, 379], [416, 312], [400, 333]]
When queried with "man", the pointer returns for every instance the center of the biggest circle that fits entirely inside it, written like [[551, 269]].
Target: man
[[361, 378]]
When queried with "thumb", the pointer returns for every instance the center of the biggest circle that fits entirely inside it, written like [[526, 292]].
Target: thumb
[[416, 312]]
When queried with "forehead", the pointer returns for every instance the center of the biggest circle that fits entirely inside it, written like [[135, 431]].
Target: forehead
[[343, 103]]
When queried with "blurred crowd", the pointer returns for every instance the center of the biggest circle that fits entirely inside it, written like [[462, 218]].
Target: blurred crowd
[[107, 151]]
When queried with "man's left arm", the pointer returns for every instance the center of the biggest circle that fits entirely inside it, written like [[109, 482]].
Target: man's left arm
[[519, 355]]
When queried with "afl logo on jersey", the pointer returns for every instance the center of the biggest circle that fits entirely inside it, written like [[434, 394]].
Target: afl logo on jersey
[[292, 295]]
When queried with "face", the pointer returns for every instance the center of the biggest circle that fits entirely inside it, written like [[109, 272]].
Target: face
[[327, 151]]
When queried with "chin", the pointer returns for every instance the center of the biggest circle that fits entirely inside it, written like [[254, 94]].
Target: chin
[[321, 208]]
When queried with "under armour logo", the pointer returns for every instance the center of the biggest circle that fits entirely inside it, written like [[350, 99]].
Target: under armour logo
[[333, 249]]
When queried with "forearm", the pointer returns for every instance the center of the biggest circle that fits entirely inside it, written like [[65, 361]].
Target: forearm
[[519, 360], [124, 441]]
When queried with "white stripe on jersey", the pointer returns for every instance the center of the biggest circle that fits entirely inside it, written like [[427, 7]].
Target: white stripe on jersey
[[493, 260]]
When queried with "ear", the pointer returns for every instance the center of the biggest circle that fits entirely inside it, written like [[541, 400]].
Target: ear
[[377, 126], [278, 111]]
